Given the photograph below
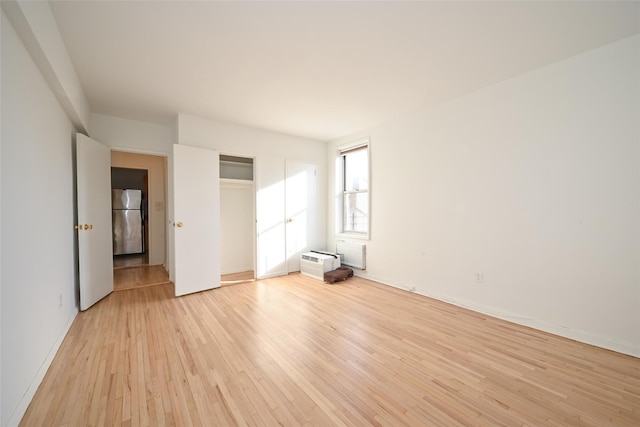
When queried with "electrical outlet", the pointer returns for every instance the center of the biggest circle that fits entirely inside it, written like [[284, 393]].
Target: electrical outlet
[[479, 277]]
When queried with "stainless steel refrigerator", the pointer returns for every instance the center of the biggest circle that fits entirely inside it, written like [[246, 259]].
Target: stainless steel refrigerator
[[127, 222]]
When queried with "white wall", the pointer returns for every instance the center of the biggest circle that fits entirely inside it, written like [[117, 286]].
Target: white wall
[[37, 251], [37, 28], [132, 135], [534, 183], [270, 151]]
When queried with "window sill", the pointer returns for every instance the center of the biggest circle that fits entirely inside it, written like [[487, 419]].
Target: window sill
[[358, 236]]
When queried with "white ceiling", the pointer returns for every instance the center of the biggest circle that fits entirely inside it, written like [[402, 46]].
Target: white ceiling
[[320, 70]]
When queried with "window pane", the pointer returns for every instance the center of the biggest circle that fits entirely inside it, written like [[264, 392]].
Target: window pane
[[356, 166], [356, 212]]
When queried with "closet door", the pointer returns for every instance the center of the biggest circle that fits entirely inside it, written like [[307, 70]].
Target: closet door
[[196, 228], [301, 206]]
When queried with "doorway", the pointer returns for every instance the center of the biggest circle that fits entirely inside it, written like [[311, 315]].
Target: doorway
[[142, 265], [237, 219]]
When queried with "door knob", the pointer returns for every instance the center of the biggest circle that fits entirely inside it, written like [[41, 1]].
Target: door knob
[[179, 224], [290, 220], [86, 226]]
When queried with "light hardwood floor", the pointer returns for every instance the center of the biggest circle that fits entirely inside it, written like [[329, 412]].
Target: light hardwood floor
[[137, 260], [237, 278], [293, 351], [137, 277]]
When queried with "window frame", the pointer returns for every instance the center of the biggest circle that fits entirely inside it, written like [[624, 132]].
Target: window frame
[[341, 151]]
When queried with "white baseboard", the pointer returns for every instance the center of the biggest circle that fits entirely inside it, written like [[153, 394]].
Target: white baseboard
[[573, 334], [270, 275], [233, 270], [20, 410], [562, 331]]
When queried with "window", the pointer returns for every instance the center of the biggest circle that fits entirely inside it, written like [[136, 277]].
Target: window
[[354, 180]]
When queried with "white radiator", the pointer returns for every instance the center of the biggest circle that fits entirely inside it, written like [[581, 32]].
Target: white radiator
[[352, 254], [315, 264]]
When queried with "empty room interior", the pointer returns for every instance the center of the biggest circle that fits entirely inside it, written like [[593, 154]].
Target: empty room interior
[[178, 177]]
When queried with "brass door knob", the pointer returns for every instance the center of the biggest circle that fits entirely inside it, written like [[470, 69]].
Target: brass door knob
[[290, 220], [179, 224]]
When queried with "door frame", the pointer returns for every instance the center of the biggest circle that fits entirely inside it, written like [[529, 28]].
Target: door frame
[[255, 207], [166, 228]]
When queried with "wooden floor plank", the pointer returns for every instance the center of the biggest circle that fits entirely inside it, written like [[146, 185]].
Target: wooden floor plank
[[293, 351], [237, 278], [139, 276]]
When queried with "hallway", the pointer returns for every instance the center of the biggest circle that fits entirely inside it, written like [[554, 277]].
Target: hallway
[[135, 260]]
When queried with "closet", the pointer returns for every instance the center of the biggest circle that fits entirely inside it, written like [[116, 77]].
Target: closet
[[237, 218]]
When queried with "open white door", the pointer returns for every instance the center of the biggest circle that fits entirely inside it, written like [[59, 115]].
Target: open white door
[[196, 198], [95, 247], [301, 210]]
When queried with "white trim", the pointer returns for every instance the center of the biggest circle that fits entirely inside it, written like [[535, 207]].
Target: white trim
[[360, 142], [26, 399], [339, 207], [601, 341], [236, 269], [271, 275], [358, 236], [139, 151]]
